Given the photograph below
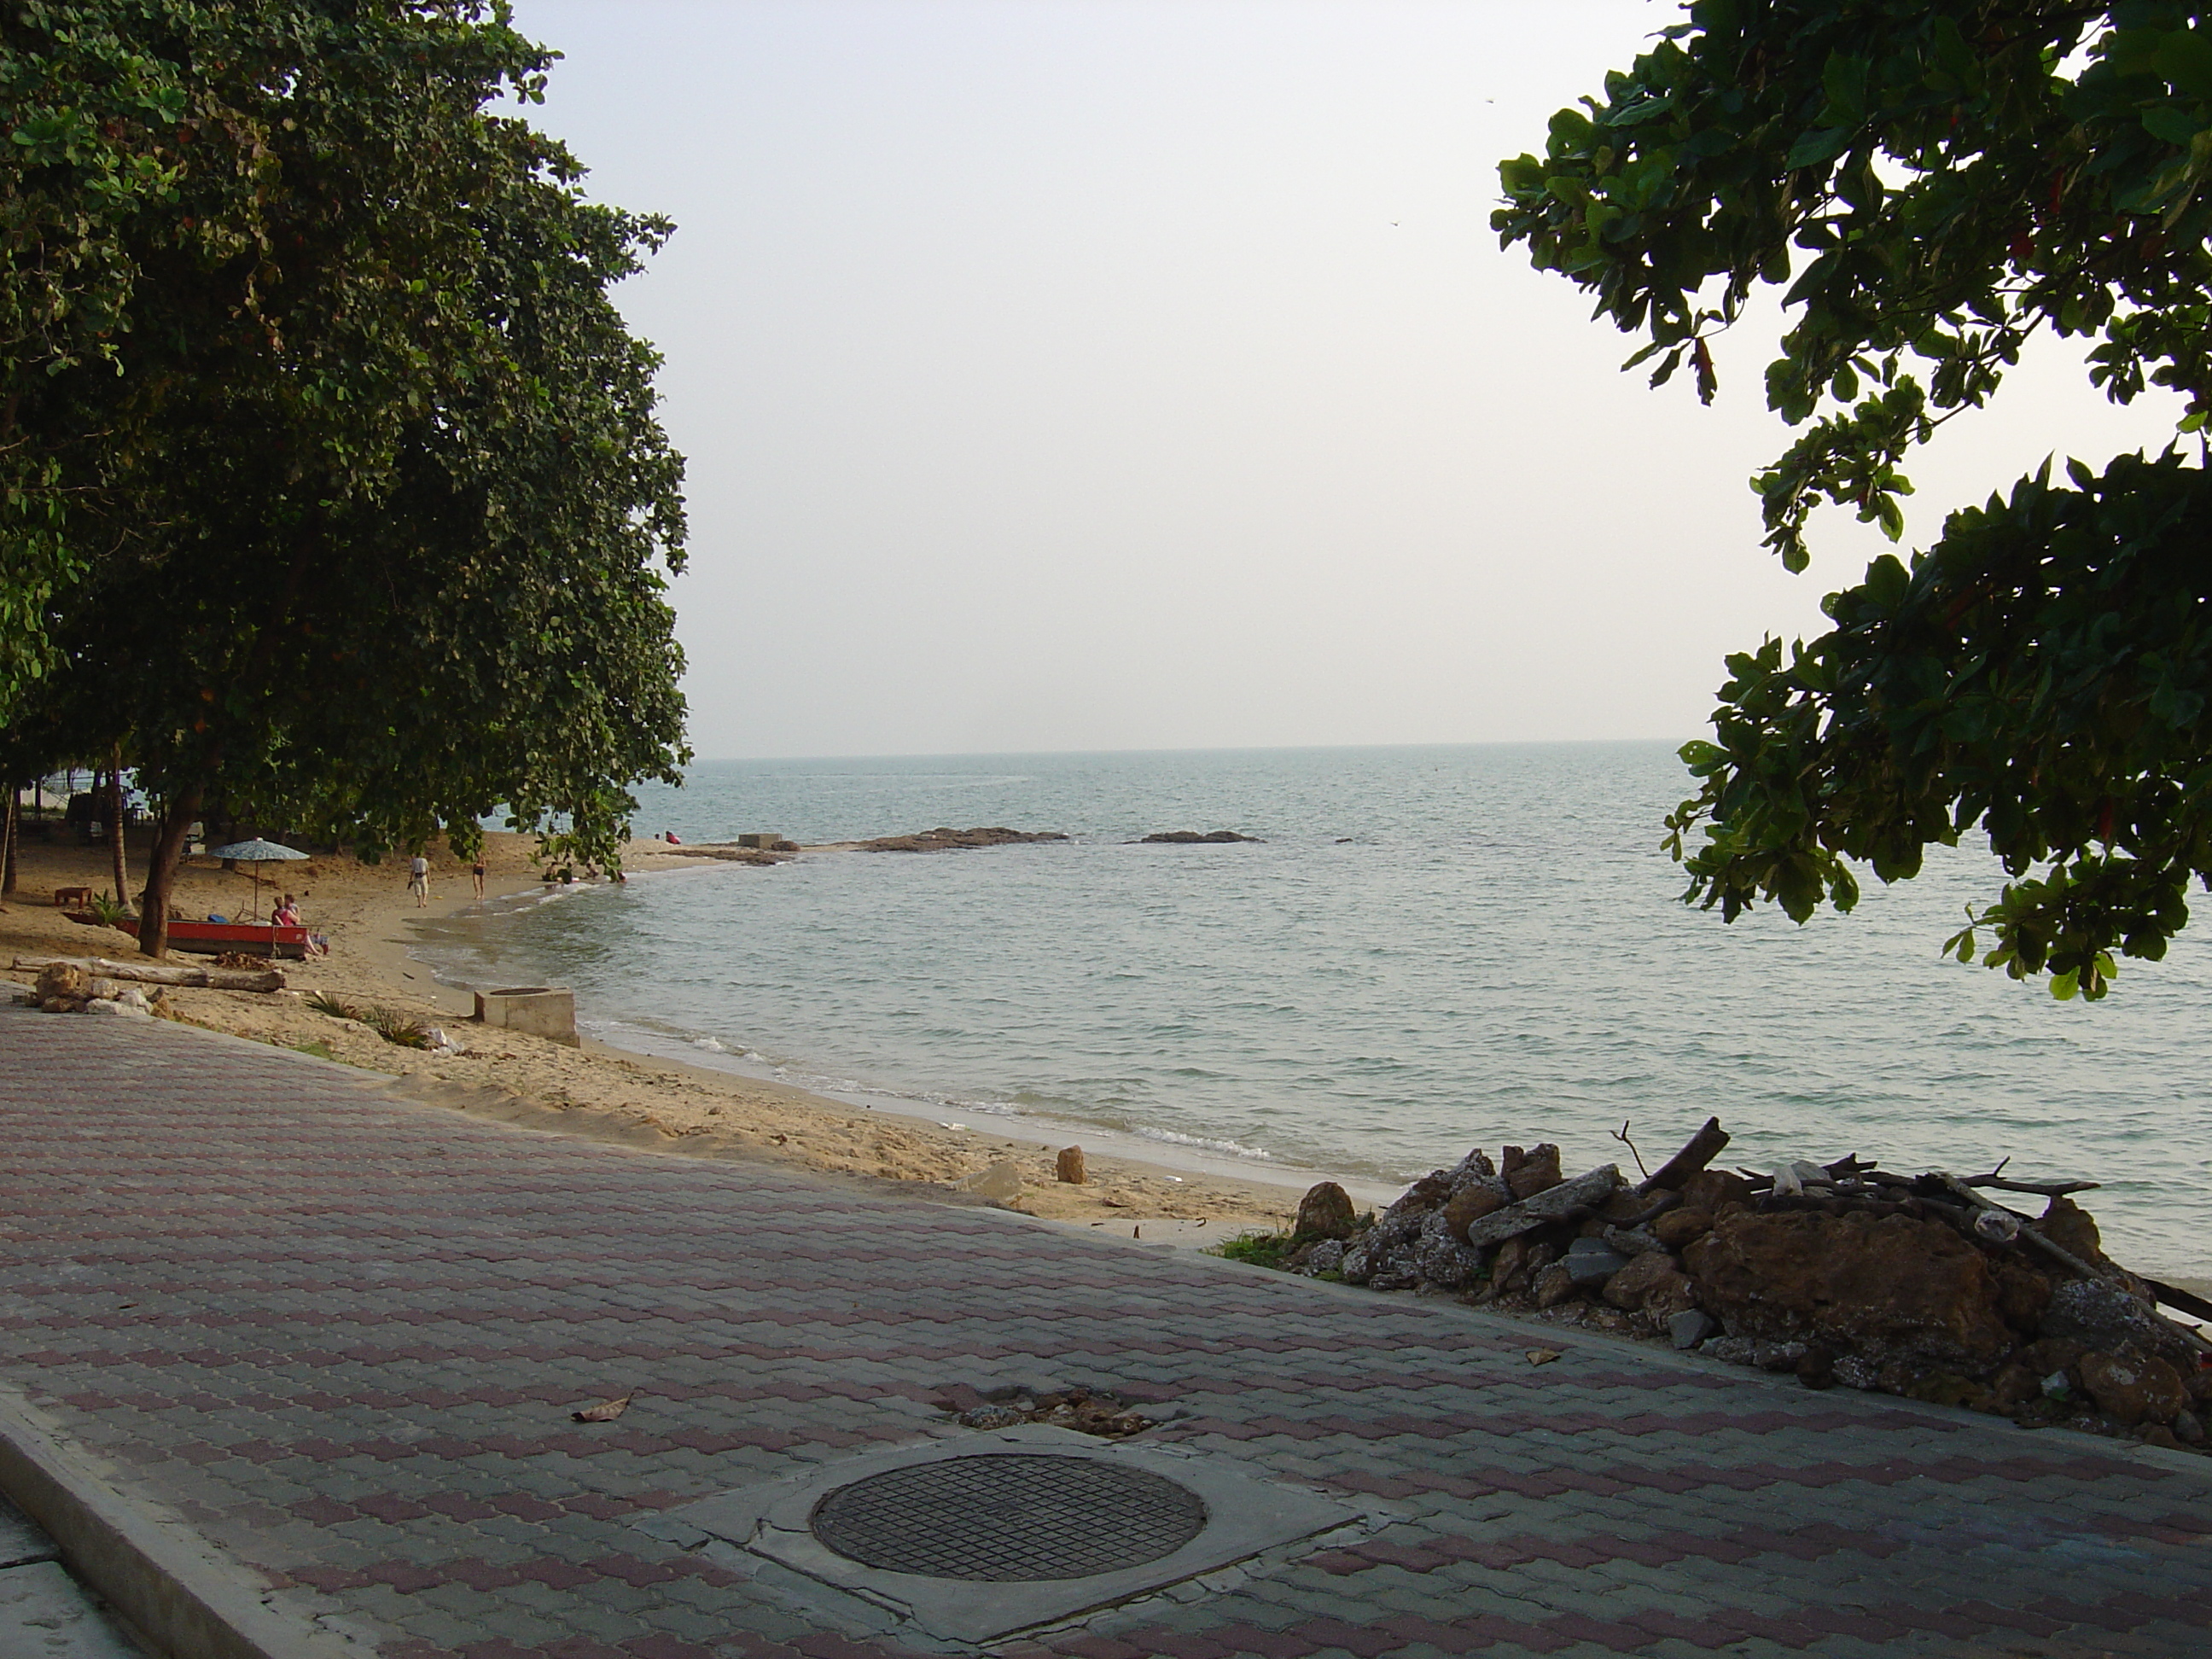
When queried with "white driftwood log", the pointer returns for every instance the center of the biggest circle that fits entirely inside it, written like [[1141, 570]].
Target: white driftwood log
[[164, 973]]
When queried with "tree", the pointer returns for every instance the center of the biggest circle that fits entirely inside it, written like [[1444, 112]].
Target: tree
[[1931, 183], [382, 503], [86, 115]]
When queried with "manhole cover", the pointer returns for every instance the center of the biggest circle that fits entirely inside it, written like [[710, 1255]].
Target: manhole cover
[[1009, 1518]]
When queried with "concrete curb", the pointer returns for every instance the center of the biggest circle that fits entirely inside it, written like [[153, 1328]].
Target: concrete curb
[[163, 1580]]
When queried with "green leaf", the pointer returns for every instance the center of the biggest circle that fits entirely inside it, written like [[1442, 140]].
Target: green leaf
[[1818, 145]]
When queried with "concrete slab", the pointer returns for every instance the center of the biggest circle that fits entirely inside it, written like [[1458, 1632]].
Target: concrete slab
[[22, 1540], [45, 1614]]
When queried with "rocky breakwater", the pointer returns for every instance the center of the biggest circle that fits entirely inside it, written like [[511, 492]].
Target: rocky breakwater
[[1917, 1285]]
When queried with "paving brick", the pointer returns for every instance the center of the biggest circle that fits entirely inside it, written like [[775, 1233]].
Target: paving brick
[[361, 1327]]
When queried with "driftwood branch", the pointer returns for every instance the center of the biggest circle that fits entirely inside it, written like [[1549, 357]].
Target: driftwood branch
[[2059, 1253], [2187, 1301], [1701, 1149], [2043, 1188], [162, 973]]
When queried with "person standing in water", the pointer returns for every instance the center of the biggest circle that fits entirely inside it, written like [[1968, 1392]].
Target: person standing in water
[[418, 880], [476, 874]]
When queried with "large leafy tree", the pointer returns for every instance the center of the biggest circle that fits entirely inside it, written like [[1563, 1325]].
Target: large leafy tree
[[88, 116], [1929, 183], [379, 507]]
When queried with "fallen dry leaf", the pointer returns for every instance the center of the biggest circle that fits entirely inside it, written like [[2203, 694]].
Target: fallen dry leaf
[[607, 1410], [1542, 1356]]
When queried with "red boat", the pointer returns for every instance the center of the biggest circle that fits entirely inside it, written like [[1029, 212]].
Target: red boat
[[214, 937]]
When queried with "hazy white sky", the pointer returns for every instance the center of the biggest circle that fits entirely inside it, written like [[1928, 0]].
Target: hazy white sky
[[1063, 374]]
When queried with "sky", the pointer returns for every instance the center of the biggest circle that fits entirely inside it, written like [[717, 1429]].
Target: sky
[[1107, 374]]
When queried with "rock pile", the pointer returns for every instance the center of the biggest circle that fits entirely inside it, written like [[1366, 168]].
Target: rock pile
[[68, 987], [1193, 838], [1843, 1272]]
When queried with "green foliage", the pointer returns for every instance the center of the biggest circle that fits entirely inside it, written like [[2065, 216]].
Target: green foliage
[[1932, 183], [1260, 1249], [383, 512], [89, 120], [108, 910], [394, 1027], [1275, 1249]]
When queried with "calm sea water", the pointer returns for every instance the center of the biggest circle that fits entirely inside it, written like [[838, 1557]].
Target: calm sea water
[[1433, 948]]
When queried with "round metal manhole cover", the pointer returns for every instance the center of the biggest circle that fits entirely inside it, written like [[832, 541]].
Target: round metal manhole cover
[[1009, 1518]]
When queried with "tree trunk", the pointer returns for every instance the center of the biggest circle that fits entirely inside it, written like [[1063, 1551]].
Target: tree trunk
[[161, 873], [115, 824], [8, 856]]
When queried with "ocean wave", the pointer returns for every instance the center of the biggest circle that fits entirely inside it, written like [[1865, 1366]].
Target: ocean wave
[[1235, 1149]]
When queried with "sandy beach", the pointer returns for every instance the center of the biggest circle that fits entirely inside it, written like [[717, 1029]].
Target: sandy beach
[[595, 1091]]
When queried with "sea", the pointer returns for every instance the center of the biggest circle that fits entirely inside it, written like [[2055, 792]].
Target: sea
[[1428, 949]]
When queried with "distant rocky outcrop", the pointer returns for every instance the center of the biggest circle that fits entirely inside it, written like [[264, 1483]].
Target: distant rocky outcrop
[[1192, 838], [947, 841]]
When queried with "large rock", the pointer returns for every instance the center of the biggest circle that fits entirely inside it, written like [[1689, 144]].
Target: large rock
[[2106, 1318], [1473, 1201], [1325, 1212], [1555, 1204], [62, 988], [1533, 1172], [1652, 1282], [2023, 1294], [1592, 1261], [2135, 1390], [1678, 1227], [1553, 1285], [1516, 1264], [1442, 1260], [2072, 1228], [1884, 1287], [1715, 1190]]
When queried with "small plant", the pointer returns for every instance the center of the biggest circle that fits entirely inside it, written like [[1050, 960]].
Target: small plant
[[107, 909], [1260, 1249], [319, 1049], [391, 1025], [405, 1029]]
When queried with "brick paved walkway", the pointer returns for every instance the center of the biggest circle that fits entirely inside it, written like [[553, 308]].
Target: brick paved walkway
[[342, 1337]]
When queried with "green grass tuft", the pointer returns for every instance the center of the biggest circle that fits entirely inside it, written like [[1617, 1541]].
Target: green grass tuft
[[1260, 1249]]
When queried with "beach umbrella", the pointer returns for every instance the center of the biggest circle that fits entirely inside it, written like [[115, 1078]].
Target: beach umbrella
[[256, 854]]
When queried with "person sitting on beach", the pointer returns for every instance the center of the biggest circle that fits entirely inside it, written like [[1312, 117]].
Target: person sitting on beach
[[287, 914], [670, 839], [418, 880]]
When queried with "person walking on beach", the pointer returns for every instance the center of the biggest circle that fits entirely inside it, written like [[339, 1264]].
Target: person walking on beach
[[476, 873], [418, 880]]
